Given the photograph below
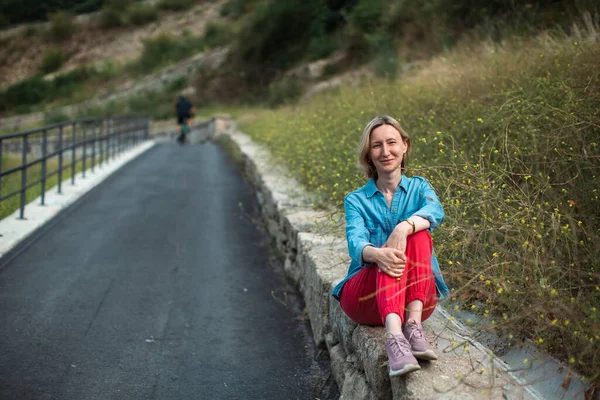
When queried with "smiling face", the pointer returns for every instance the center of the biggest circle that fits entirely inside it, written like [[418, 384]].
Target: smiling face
[[387, 149]]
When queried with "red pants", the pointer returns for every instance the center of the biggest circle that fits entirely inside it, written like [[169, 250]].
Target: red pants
[[370, 295]]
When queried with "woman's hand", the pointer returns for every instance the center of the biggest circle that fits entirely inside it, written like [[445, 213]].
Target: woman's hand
[[390, 261], [397, 240]]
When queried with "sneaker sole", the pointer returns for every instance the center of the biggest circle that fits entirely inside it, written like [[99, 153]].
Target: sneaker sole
[[407, 368], [425, 355]]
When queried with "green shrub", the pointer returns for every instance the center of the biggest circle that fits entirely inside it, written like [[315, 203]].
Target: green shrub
[[4, 21], [62, 25], [284, 92], [216, 35], [235, 8], [141, 14], [175, 5], [108, 70], [165, 48], [119, 5], [111, 18], [55, 118], [177, 84], [30, 31], [52, 61], [365, 16], [27, 92], [87, 6], [65, 84]]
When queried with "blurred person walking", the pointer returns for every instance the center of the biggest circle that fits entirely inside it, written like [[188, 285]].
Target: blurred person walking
[[184, 111]]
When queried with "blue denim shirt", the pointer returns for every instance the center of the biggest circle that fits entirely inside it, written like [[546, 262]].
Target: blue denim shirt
[[369, 221]]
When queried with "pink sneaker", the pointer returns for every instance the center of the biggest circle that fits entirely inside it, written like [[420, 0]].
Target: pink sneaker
[[418, 342], [400, 358]]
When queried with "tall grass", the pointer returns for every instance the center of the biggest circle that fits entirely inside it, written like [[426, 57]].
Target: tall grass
[[508, 135]]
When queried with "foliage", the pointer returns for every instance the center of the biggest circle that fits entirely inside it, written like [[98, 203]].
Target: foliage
[[52, 61], [55, 118], [28, 91], [216, 35], [177, 84], [36, 90], [19, 11], [141, 14], [165, 48], [284, 92], [508, 136], [62, 25], [175, 5], [30, 31], [119, 5], [111, 18]]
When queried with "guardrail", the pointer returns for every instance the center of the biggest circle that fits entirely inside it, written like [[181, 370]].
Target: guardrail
[[25, 157]]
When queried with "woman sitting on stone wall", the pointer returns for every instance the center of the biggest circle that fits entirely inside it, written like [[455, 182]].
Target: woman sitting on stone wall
[[394, 279]]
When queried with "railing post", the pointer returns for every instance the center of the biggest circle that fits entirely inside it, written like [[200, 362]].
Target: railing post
[[60, 158], [44, 153], [108, 129], [94, 144], [73, 156], [83, 140], [115, 134], [119, 132], [23, 177], [101, 135]]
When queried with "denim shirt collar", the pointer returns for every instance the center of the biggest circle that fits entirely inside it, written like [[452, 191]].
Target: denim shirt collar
[[371, 188]]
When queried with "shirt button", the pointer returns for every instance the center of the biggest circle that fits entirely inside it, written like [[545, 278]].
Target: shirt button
[[393, 209]]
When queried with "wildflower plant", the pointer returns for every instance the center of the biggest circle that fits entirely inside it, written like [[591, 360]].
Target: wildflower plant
[[509, 137]]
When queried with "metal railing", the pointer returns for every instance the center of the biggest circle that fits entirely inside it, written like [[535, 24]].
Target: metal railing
[[68, 147]]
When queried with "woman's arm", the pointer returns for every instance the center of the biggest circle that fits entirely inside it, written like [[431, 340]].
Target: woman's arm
[[430, 207], [357, 233], [389, 260]]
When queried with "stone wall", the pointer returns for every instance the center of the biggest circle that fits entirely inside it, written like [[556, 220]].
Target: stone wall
[[316, 258]]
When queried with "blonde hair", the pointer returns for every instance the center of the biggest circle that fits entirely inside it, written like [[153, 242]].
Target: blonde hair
[[364, 161]]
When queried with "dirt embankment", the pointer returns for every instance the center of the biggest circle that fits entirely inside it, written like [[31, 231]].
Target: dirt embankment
[[21, 54]]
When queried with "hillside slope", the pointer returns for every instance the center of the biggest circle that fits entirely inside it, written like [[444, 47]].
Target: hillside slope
[[22, 51]]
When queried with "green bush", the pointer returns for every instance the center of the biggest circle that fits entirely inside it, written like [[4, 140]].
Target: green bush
[[108, 70], [111, 18], [52, 61], [32, 91], [165, 48], [119, 5], [235, 8], [27, 92], [87, 6], [366, 15], [177, 84], [30, 31], [216, 35], [175, 5], [62, 25], [141, 14], [55, 118], [284, 92]]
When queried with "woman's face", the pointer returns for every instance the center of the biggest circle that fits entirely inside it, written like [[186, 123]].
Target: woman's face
[[387, 149]]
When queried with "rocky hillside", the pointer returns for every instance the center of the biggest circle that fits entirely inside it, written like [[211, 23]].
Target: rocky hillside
[[22, 48]]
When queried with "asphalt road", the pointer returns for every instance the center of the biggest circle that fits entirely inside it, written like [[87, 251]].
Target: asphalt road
[[158, 284]]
